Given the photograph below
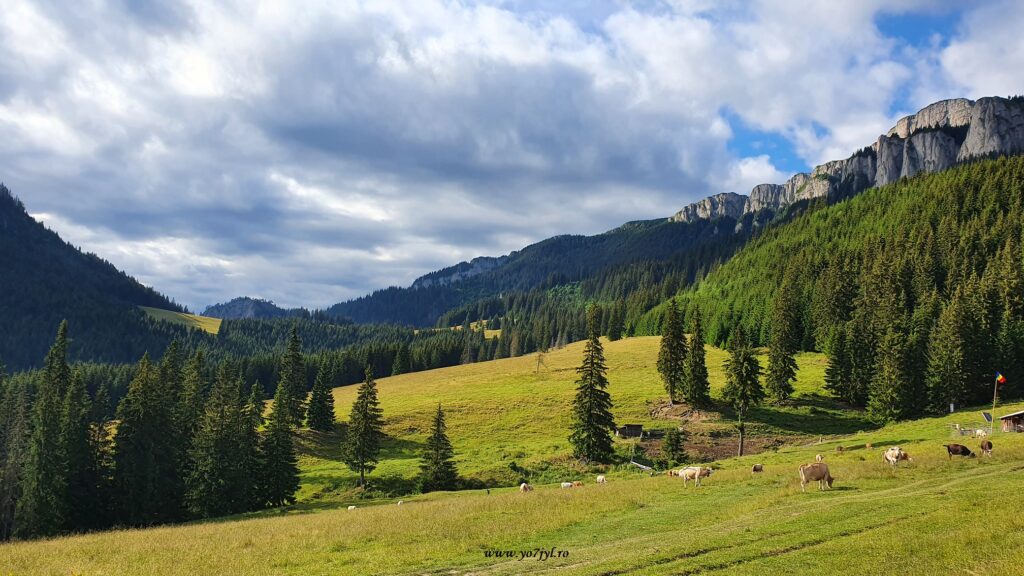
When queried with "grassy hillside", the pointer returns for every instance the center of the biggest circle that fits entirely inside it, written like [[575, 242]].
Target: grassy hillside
[[204, 323], [930, 516], [510, 411]]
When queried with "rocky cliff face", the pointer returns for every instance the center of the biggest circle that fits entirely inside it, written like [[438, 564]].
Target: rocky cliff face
[[460, 271], [939, 136]]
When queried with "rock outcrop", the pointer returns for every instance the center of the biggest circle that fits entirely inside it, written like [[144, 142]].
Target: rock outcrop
[[938, 137], [460, 271]]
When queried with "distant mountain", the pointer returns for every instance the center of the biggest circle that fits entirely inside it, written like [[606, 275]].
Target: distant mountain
[[246, 307], [45, 280], [939, 136]]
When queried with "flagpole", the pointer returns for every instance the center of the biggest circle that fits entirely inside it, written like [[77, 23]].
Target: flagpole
[[995, 394]]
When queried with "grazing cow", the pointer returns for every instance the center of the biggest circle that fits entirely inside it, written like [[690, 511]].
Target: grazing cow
[[981, 433], [577, 484], [566, 484], [868, 446], [524, 487], [986, 447], [840, 449], [815, 472], [894, 454], [601, 479], [819, 458], [757, 468], [694, 473], [400, 502], [352, 507], [958, 450]]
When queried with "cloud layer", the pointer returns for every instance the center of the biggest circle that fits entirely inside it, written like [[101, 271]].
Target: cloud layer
[[312, 152]]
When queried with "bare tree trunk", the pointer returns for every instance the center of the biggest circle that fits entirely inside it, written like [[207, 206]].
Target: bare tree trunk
[[741, 427]]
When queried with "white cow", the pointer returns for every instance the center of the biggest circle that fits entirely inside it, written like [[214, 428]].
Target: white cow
[[524, 487], [894, 454], [566, 484], [352, 507], [694, 473], [601, 479]]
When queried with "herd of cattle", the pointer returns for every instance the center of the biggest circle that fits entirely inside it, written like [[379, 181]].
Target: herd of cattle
[[814, 472]]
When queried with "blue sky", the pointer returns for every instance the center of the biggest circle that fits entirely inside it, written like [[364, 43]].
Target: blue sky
[[314, 151]]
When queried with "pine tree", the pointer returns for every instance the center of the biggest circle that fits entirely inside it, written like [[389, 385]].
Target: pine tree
[[615, 322], [217, 484], [889, 397], [784, 342], [144, 478], [672, 353], [293, 377], [672, 447], [697, 385], [43, 506], [280, 474], [742, 381], [437, 470], [838, 370], [365, 430], [83, 498], [320, 414], [250, 457], [16, 414], [403, 361], [947, 374], [592, 420]]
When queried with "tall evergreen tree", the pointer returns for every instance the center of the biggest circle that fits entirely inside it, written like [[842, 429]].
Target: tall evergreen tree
[[742, 381], [889, 398], [784, 341], [293, 377], [838, 371], [144, 476], [218, 484], [17, 414], [947, 372], [403, 361], [437, 470], [250, 457], [320, 414], [365, 430], [697, 387], [592, 420], [83, 486], [280, 474], [672, 353], [43, 506]]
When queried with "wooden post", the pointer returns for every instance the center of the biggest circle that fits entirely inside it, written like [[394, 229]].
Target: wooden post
[[995, 394]]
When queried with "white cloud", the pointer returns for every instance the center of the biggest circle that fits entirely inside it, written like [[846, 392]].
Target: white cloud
[[310, 153]]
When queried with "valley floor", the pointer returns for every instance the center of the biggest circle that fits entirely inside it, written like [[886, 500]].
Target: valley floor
[[931, 516]]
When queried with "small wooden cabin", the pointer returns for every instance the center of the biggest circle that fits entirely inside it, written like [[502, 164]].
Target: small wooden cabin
[[630, 431], [1013, 422]]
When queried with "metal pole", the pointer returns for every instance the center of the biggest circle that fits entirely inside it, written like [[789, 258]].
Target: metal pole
[[995, 394]]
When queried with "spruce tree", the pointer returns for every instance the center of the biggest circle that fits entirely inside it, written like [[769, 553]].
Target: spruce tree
[[250, 457], [403, 361], [83, 486], [217, 482], [742, 381], [144, 476], [947, 373], [437, 470], [320, 415], [672, 447], [672, 353], [889, 397], [697, 385], [293, 377], [365, 430], [838, 370], [43, 506], [16, 414], [592, 420], [280, 473], [784, 341]]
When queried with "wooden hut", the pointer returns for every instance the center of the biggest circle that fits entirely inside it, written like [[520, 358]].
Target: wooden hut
[[630, 431], [1013, 422]]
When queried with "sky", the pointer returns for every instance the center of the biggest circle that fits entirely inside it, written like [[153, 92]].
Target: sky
[[311, 152]]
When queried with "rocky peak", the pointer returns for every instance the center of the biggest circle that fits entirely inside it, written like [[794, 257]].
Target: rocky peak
[[937, 137]]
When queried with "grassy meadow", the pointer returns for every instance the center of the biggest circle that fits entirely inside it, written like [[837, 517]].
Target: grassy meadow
[[204, 323], [931, 515]]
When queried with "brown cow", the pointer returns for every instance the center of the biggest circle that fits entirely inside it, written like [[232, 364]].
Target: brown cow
[[757, 468], [817, 471], [840, 449], [577, 484], [958, 450], [986, 448]]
